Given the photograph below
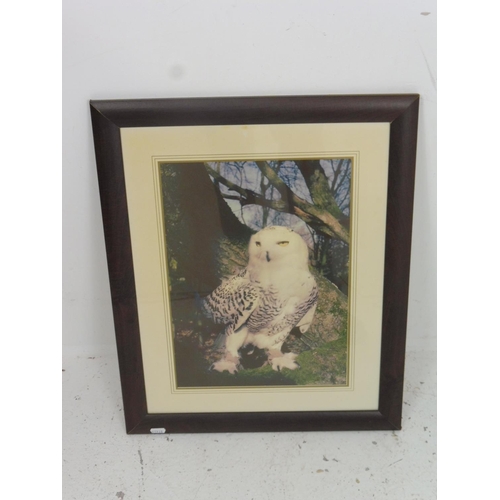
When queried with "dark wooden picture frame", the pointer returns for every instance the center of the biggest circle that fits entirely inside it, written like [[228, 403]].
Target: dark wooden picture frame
[[398, 110]]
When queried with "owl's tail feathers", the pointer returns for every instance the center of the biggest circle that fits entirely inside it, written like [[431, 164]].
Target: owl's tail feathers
[[198, 301], [201, 305], [220, 341]]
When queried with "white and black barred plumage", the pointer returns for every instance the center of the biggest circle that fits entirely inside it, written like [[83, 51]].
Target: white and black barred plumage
[[273, 294]]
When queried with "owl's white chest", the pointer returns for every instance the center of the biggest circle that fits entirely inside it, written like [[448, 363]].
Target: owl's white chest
[[283, 294], [286, 284]]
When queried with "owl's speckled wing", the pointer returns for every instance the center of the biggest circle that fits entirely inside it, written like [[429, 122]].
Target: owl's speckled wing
[[274, 315], [238, 301], [233, 301]]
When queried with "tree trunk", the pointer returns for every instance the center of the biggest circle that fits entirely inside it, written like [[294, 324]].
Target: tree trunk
[[196, 219]]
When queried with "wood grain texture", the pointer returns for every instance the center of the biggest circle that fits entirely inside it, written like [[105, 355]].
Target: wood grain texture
[[113, 197], [400, 110], [402, 157]]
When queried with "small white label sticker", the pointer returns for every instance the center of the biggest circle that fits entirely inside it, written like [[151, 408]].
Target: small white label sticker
[[158, 430]]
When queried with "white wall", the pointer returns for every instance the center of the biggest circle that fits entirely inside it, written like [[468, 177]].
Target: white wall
[[173, 48]]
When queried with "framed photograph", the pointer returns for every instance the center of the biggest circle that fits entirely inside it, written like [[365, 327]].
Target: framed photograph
[[259, 253]]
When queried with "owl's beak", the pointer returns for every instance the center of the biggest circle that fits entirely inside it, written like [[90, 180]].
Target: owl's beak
[[267, 257]]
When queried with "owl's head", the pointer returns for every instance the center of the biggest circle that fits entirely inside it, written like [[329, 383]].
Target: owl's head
[[278, 246]]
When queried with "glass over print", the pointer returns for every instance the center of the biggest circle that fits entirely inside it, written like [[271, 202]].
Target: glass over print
[[258, 266]]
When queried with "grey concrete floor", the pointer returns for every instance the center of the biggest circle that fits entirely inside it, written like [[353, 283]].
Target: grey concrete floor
[[100, 461]]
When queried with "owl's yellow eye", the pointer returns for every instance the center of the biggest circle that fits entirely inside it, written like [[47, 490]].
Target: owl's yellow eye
[[283, 243], [257, 243]]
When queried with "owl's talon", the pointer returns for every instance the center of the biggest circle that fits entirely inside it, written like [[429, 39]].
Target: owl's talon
[[285, 361], [223, 365]]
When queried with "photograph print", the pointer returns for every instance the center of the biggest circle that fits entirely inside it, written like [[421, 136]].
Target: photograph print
[[258, 256]]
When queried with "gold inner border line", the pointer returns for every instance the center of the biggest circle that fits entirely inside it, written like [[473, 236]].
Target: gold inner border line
[[354, 156]]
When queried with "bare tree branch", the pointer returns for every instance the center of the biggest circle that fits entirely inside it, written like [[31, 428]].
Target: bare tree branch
[[346, 171], [257, 200], [317, 217]]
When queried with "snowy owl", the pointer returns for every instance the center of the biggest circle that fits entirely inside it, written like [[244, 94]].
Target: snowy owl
[[260, 305]]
